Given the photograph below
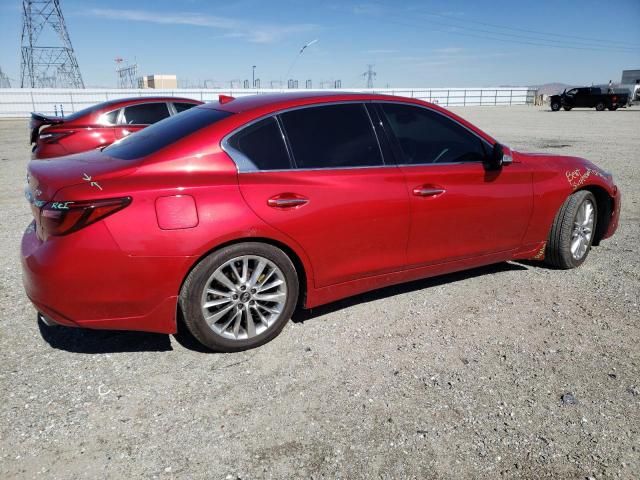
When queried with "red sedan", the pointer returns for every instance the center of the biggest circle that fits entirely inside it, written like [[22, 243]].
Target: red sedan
[[100, 125], [237, 212]]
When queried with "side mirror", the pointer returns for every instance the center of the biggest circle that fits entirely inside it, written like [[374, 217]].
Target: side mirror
[[495, 159]]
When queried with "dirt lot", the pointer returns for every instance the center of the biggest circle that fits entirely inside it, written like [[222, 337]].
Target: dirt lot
[[454, 377]]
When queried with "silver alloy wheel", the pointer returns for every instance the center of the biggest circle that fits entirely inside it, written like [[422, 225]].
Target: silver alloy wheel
[[582, 229], [244, 297]]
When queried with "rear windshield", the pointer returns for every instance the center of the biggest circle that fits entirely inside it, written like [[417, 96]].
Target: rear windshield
[[85, 111], [164, 133]]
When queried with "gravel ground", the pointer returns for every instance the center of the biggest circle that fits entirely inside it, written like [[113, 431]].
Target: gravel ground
[[512, 371]]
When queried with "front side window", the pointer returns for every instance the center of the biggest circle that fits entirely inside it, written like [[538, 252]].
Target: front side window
[[573, 91], [424, 136], [332, 136], [145, 113], [259, 146]]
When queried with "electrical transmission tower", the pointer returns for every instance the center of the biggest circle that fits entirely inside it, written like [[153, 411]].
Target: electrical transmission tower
[[4, 80], [48, 59], [127, 74], [370, 75]]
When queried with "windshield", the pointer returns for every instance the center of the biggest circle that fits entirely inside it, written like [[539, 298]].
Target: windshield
[[164, 133]]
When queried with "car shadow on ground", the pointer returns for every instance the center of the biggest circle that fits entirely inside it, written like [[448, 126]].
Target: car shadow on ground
[[80, 340], [301, 315], [77, 340]]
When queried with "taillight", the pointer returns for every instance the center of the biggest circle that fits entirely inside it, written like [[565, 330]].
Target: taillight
[[61, 218], [53, 137]]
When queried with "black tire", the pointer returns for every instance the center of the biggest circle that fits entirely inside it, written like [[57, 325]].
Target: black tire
[[568, 109], [194, 285], [555, 106], [600, 106], [558, 251], [613, 109]]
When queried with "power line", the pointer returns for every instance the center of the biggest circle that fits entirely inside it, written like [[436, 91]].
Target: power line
[[598, 45], [553, 34], [551, 43]]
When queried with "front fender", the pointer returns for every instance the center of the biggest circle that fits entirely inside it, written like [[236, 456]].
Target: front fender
[[557, 177]]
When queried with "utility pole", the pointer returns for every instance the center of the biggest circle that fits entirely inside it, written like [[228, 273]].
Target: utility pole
[[370, 75], [48, 58]]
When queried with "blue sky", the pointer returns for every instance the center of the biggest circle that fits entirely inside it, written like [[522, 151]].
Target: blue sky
[[412, 43]]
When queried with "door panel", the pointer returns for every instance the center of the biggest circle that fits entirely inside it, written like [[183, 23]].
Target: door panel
[[458, 208], [466, 211], [351, 223]]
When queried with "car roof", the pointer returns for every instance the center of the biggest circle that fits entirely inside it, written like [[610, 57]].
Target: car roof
[[254, 106], [151, 98], [277, 101]]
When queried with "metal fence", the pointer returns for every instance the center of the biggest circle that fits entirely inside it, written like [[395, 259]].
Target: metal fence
[[20, 102]]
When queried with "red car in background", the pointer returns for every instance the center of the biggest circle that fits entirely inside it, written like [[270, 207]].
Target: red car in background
[[237, 212], [100, 125]]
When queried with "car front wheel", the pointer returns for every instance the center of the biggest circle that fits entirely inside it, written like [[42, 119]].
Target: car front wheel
[[240, 296], [600, 107], [572, 232], [555, 106]]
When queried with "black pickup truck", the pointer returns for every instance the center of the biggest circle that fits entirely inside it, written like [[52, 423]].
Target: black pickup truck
[[588, 97]]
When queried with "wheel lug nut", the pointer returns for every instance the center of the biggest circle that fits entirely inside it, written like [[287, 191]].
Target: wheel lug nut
[[253, 290], [243, 288], [235, 297]]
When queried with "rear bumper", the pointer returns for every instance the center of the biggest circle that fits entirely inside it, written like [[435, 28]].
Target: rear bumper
[[85, 280]]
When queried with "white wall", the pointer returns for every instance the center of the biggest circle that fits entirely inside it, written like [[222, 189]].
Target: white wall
[[20, 102]]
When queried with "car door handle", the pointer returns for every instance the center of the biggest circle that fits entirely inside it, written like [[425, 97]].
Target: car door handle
[[427, 191], [287, 201]]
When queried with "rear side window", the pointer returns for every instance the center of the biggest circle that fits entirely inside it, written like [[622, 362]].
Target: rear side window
[[259, 147], [145, 114], [109, 118], [332, 136], [162, 134], [424, 136], [181, 107]]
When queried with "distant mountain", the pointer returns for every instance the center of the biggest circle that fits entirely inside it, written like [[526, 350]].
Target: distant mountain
[[551, 88]]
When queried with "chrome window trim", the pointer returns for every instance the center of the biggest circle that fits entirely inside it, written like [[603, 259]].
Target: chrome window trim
[[280, 170]]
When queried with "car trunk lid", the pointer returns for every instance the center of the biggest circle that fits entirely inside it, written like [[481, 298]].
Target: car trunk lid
[[46, 177]]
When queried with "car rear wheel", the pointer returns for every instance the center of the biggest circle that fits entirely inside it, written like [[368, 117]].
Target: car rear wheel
[[240, 297], [572, 232], [555, 106], [600, 107], [568, 109]]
